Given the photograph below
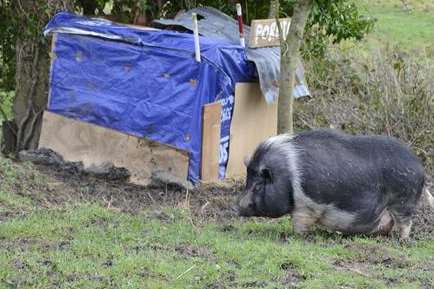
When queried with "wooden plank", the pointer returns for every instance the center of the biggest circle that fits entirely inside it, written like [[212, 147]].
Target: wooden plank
[[211, 124], [53, 57], [265, 32], [95, 145], [253, 121]]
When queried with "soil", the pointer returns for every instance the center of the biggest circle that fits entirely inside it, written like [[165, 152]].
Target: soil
[[206, 202]]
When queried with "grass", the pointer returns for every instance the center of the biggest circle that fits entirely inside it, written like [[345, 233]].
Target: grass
[[408, 30], [85, 244]]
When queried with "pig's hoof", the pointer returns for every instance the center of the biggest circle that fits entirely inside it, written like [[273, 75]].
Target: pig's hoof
[[301, 232], [310, 237], [406, 242], [404, 230], [306, 235]]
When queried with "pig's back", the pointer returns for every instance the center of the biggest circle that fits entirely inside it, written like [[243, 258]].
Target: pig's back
[[354, 172]]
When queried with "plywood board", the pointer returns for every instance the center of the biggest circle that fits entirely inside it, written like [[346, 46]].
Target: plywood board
[[95, 145], [253, 121], [211, 124], [265, 32], [53, 57]]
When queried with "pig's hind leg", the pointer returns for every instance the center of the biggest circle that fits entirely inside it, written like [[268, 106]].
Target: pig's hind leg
[[404, 187], [402, 209], [402, 215], [403, 223]]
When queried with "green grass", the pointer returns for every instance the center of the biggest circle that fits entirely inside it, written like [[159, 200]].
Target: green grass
[[396, 26], [88, 246], [85, 245]]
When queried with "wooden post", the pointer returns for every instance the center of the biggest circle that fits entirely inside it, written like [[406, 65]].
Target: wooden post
[[240, 25], [211, 124], [196, 38]]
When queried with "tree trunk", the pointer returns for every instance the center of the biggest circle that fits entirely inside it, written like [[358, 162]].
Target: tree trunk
[[273, 12], [32, 69], [289, 54], [31, 90]]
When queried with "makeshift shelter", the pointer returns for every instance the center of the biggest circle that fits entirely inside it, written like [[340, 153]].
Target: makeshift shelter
[[140, 90]]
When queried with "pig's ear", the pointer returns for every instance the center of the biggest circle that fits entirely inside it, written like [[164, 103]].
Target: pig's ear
[[246, 161], [266, 174]]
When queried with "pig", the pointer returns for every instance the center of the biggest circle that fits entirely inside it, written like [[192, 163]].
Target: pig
[[347, 183]]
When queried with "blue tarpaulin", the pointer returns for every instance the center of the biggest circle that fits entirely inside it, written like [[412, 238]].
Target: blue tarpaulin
[[214, 23], [144, 82]]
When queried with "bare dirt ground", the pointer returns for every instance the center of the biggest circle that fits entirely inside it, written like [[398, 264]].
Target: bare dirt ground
[[207, 202]]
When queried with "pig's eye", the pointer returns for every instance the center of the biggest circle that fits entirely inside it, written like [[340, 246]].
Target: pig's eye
[[258, 187]]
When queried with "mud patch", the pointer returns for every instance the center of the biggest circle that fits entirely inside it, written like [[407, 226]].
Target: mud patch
[[7, 213], [19, 265], [163, 216], [376, 255], [189, 251], [49, 157], [148, 274], [368, 259], [25, 245], [255, 284], [291, 277], [204, 202], [98, 278], [227, 280], [184, 250], [357, 267]]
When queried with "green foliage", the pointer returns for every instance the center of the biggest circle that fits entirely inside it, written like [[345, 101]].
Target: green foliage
[[19, 22], [126, 10], [7, 59], [334, 21], [341, 19], [8, 33], [6, 101]]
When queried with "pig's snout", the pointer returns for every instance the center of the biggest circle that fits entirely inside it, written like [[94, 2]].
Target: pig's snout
[[246, 206]]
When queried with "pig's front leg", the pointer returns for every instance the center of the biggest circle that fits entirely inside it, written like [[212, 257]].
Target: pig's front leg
[[385, 225], [303, 221]]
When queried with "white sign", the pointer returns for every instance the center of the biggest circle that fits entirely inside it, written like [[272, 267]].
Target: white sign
[[265, 32]]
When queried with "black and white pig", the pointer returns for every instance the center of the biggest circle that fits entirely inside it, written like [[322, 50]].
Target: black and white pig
[[351, 184]]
